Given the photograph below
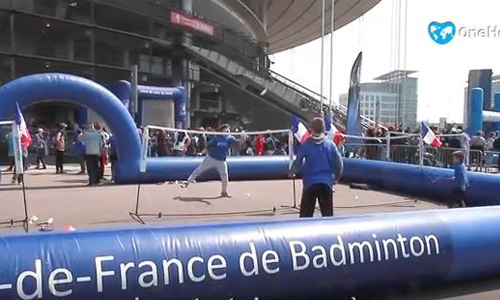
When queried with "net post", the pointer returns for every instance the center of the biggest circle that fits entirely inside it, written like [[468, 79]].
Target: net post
[[388, 150], [421, 150], [291, 153]]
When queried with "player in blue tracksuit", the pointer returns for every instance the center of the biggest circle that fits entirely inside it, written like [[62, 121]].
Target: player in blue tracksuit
[[321, 166], [217, 149]]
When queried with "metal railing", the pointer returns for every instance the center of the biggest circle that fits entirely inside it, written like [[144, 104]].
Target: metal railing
[[283, 87], [414, 152]]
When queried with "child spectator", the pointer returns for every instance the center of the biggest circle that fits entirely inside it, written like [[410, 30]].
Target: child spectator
[[460, 181]]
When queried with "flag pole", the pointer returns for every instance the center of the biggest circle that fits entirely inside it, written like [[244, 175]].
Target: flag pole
[[26, 222], [19, 164], [332, 28], [322, 54]]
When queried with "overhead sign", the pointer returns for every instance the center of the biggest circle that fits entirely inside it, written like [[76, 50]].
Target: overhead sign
[[192, 22]]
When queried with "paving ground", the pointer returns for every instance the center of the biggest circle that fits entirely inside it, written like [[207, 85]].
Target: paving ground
[[68, 200]]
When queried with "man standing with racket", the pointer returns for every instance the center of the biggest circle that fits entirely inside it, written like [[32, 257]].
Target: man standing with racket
[[217, 150]]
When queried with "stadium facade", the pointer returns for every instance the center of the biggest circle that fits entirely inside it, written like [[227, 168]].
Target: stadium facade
[[217, 50]]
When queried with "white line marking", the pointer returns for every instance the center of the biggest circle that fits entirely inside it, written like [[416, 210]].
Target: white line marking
[[6, 286], [84, 279]]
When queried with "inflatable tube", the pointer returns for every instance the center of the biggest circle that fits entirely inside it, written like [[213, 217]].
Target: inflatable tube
[[402, 178], [35, 88], [324, 258]]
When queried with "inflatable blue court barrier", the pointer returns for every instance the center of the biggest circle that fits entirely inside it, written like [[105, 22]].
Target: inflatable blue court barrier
[[327, 258], [403, 178]]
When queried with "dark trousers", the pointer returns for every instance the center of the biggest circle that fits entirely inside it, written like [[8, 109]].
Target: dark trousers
[[102, 165], [59, 161], [40, 154], [19, 178], [457, 199], [323, 193], [81, 161], [93, 168]]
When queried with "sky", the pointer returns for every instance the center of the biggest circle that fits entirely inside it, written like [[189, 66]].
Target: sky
[[442, 69]]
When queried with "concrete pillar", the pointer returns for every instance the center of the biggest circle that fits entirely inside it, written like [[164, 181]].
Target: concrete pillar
[[475, 111], [187, 6], [126, 58], [71, 48]]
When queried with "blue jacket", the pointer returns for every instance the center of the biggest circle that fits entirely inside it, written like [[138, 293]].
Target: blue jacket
[[320, 162], [460, 176]]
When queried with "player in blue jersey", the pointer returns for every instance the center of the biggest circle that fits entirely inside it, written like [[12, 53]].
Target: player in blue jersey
[[321, 166], [217, 150]]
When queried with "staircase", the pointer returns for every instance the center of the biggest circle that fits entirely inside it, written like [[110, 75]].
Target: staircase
[[288, 94]]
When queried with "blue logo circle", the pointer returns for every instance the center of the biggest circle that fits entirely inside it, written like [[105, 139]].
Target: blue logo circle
[[442, 33]]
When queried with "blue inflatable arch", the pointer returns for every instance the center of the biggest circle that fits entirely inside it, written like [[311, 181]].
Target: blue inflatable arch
[[32, 89]]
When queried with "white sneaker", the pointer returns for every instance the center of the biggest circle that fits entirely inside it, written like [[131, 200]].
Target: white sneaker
[[225, 195], [184, 184]]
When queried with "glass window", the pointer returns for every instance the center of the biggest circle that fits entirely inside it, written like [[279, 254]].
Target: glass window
[[5, 3], [122, 51], [110, 75], [112, 17], [26, 66], [36, 36], [164, 33], [5, 70], [5, 39], [78, 10]]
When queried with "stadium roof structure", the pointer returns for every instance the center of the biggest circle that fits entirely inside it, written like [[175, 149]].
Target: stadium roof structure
[[284, 24]]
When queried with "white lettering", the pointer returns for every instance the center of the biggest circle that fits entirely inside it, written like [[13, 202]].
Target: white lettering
[[428, 240], [216, 262], [37, 276], [166, 270], [394, 248], [296, 254], [123, 273], [420, 246], [153, 273], [252, 256], [377, 247], [338, 247], [360, 246], [319, 261], [270, 257], [402, 241], [100, 273], [190, 269], [68, 278]]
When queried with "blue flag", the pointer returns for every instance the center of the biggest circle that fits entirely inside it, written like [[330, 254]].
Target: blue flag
[[353, 124]]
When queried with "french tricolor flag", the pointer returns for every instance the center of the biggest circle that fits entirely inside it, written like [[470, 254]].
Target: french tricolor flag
[[429, 137], [332, 133], [23, 128], [300, 131]]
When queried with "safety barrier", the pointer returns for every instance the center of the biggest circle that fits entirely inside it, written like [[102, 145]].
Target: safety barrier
[[413, 151], [328, 258]]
